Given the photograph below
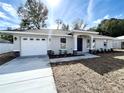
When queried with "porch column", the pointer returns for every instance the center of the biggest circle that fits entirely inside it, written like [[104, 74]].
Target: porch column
[[75, 44], [49, 45], [91, 42]]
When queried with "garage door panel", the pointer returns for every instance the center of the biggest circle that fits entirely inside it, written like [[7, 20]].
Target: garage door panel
[[33, 47]]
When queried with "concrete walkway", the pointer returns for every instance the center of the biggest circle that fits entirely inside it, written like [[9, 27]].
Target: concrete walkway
[[65, 59], [27, 75]]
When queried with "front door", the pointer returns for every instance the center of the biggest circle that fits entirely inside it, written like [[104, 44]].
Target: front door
[[79, 44]]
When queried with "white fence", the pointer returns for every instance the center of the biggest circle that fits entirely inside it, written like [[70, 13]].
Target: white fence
[[6, 47]]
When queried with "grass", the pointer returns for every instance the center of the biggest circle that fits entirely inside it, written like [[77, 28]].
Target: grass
[[99, 75]]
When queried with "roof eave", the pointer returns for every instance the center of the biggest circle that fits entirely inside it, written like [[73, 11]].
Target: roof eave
[[87, 32], [30, 33]]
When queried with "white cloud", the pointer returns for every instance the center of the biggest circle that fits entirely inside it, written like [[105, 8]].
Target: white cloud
[[89, 10], [2, 15], [8, 24], [107, 17], [12, 15], [53, 3], [119, 16], [99, 20], [54, 26], [9, 8]]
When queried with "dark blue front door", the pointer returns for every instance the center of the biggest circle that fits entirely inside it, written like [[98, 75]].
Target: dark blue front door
[[79, 44]]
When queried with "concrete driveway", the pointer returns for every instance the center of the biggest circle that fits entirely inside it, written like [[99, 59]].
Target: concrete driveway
[[27, 75]]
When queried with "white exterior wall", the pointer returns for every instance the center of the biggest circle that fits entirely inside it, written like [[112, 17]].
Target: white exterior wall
[[6, 47], [17, 43], [117, 44], [85, 49], [55, 44], [16, 46], [70, 44], [100, 44], [110, 44]]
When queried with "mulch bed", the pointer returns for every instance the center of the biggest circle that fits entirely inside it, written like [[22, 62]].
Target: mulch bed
[[6, 57], [63, 56]]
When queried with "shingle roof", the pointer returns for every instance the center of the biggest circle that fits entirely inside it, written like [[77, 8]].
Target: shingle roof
[[40, 32], [120, 37], [103, 37], [51, 32]]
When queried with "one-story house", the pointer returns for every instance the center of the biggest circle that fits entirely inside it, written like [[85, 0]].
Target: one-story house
[[119, 42], [39, 42]]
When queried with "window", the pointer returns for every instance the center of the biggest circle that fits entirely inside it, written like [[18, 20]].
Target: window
[[37, 39], [88, 43], [43, 39], [24, 38], [31, 39], [63, 43], [94, 40], [63, 40], [94, 43]]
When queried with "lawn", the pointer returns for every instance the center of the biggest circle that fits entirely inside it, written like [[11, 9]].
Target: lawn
[[99, 75]]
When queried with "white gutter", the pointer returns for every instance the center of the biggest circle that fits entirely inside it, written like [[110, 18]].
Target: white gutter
[[87, 32]]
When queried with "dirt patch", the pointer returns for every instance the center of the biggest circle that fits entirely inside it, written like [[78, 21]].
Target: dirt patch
[[99, 75], [6, 57]]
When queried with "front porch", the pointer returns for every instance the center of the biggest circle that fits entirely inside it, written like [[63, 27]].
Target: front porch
[[82, 43]]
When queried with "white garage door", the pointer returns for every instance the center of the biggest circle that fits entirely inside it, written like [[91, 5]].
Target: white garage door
[[31, 46]]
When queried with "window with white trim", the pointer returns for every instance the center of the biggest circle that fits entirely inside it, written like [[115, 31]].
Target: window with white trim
[[25, 39], [94, 43], [88, 43], [63, 43]]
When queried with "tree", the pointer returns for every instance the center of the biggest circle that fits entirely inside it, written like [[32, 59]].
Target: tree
[[25, 24], [111, 27], [9, 28], [59, 22], [33, 14], [65, 27], [92, 29], [78, 25], [6, 37]]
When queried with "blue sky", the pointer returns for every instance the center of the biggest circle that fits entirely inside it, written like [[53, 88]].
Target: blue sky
[[91, 11]]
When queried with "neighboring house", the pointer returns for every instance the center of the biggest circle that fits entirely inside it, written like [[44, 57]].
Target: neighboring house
[[38, 42], [5, 46], [119, 42], [4, 41]]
